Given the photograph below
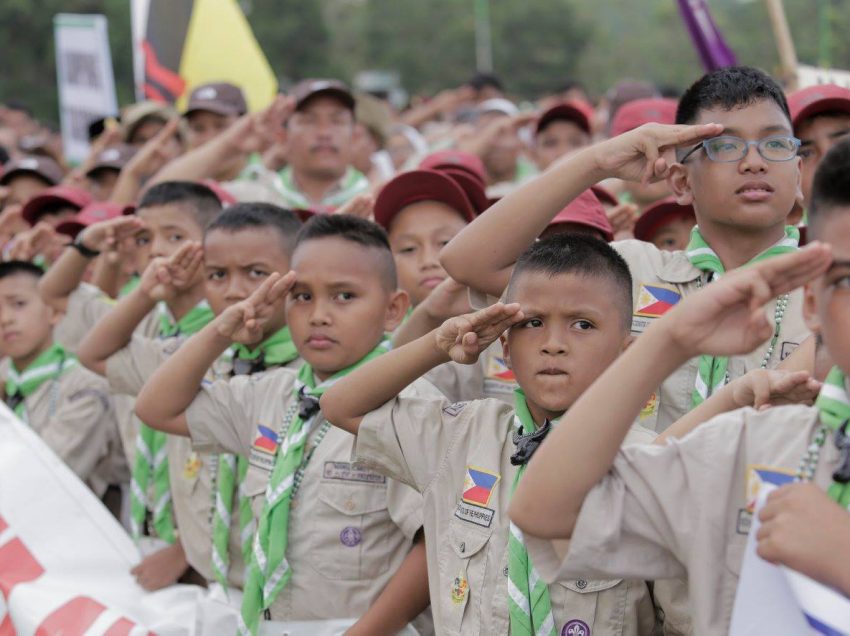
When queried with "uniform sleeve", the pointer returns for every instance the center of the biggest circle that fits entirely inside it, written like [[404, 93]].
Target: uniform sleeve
[[86, 305], [654, 508], [223, 416], [80, 429], [405, 507], [128, 369], [409, 437], [458, 382]]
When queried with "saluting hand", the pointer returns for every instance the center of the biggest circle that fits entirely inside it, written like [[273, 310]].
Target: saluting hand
[[165, 278], [243, 322], [463, 338]]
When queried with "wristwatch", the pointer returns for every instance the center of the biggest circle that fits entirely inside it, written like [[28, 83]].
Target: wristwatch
[[87, 252]]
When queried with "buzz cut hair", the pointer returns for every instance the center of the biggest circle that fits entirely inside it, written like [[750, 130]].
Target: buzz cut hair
[[831, 188], [201, 202], [246, 216]]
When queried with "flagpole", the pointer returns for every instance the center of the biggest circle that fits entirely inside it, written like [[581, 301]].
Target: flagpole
[[784, 43], [483, 39]]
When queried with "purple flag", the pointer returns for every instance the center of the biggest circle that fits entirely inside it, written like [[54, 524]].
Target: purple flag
[[712, 48]]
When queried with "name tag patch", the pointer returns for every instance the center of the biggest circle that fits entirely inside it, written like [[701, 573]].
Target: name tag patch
[[479, 515], [345, 471], [787, 349]]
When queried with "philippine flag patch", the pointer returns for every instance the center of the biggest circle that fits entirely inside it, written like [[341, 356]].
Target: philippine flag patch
[[478, 485], [266, 440], [654, 301], [763, 475]]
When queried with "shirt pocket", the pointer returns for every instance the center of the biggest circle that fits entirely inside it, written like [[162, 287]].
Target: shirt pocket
[[597, 606], [352, 529], [463, 569]]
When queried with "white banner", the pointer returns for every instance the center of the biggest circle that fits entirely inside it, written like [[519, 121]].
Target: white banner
[[815, 76], [84, 77]]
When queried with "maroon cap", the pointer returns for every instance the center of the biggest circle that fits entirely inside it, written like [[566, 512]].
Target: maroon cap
[[420, 185], [659, 110], [459, 160], [57, 195], [604, 195], [574, 110], [657, 214], [306, 90], [471, 187], [224, 197], [114, 157], [40, 166], [813, 100], [220, 98], [588, 211], [89, 215]]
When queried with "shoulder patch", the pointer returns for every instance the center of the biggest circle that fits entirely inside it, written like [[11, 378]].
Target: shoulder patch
[[453, 410]]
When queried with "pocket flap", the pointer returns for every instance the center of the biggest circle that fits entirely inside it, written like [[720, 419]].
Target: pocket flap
[[354, 500], [466, 539], [587, 586]]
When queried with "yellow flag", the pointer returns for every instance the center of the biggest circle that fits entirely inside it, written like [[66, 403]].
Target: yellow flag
[[220, 47]]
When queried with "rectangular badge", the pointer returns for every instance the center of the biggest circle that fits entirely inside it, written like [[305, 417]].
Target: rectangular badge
[[345, 471], [654, 301], [639, 323], [758, 475], [475, 514]]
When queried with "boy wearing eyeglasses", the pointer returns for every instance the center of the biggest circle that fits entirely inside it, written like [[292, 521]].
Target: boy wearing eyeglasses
[[742, 181]]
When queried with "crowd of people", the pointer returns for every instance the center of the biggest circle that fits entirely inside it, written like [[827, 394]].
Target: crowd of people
[[470, 366]]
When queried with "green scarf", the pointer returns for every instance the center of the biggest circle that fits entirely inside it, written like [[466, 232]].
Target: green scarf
[[528, 595], [269, 571], [712, 369], [49, 365], [834, 406], [151, 461], [275, 351]]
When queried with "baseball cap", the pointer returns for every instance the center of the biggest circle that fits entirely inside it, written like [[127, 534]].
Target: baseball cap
[[43, 167], [221, 98], [136, 114], [588, 211], [657, 214], [57, 195], [223, 195], [114, 157], [307, 89], [498, 105], [660, 110], [813, 100], [473, 189], [604, 195], [420, 185], [92, 213], [456, 160], [576, 111]]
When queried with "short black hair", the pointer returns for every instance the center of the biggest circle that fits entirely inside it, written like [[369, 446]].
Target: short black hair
[[11, 268], [242, 216], [203, 203], [831, 187], [483, 80], [729, 88], [355, 230], [577, 254]]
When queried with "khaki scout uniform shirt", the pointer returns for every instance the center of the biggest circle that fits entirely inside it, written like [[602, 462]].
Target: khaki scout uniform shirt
[[432, 445], [489, 377], [349, 528], [73, 415], [651, 267], [684, 509]]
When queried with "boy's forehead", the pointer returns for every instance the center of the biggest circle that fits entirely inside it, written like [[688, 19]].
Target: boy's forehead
[[250, 244], [168, 214], [332, 258], [752, 118], [19, 282], [564, 291]]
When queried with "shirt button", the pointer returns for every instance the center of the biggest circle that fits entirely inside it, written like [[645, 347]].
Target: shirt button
[[581, 584], [462, 547], [349, 505], [505, 571]]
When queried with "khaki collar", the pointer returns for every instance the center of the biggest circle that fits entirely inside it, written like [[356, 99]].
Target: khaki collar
[[678, 269]]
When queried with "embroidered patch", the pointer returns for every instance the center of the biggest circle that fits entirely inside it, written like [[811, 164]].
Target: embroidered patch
[[640, 324], [478, 485], [453, 410], [266, 440], [654, 300], [192, 466], [475, 514], [757, 476], [350, 536], [650, 407], [787, 349], [460, 586], [346, 471], [575, 628]]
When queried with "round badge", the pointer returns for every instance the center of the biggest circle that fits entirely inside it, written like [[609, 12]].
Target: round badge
[[350, 536], [575, 628]]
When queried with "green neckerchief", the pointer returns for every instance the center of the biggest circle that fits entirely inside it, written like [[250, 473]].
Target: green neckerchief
[[269, 571], [129, 286], [834, 406], [151, 461], [50, 364], [275, 351], [529, 604], [712, 369]]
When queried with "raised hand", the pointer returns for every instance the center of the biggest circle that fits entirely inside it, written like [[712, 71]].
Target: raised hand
[[362, 206], [765, 388], [727, 317], [638, 154], [157, 151], [254, 132], [165, 278], [463, 338], [244, 321], [623, 217], [448, 299], [108, 235], [42, 239]]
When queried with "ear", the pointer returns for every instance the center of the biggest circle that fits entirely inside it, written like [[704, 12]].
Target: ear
[[506, 350], [680, 184], [54, 316], [810, 307], [799, 186], [396, 310]]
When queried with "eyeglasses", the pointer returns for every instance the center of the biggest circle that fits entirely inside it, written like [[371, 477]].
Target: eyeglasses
[[727, 149]]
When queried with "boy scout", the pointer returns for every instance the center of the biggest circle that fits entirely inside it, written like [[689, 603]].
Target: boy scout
[[742, 177], [569, 318], [683, 509], [242, 247], [325, 524], [68, 406]]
